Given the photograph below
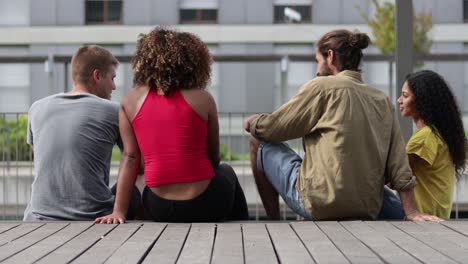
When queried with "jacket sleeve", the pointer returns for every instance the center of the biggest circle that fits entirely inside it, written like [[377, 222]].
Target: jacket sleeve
[[397, 167], [294, 119]]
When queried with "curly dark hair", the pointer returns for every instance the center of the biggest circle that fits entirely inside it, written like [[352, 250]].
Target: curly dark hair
[[347, 46], [166, 59], [438, 109]]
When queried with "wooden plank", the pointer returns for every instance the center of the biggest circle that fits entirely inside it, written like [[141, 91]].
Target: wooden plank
[[379, 244], [459, 226], [105, 247], [7, 226], [136, 247], [446, 233], [446, 247], [289, 248], [318, 244], [78, 245], [29, 239], [257, 244], [228, 246], [353, 249], [408, 243], [199, 244], [169, 244], [17, 232], [49, 244]]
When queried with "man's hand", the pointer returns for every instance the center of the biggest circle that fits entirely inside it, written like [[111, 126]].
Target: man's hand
[[114, 218], [409, 205], [419, 217], [249, 121]]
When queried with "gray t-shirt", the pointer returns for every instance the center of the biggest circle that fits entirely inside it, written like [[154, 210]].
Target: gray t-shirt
[[72, 137]]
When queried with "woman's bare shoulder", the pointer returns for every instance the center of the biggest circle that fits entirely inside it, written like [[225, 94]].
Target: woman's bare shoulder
[[201, 95], [135, 94], [133, 100]]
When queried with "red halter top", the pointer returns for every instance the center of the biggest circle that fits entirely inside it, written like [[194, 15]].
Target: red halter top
[[172, 139]]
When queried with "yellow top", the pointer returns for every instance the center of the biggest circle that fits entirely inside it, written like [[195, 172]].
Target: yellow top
[[434, 171]]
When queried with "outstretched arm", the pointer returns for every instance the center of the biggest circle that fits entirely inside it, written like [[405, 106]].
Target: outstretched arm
[[294, 119], [401, 176], [409, 205], [128, 171]]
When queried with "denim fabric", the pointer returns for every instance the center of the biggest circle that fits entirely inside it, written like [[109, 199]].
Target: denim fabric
[[391, 207], [281, 164]]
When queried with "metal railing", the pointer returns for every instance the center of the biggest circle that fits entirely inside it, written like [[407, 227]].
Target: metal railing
[[282, 59], [17, 172]]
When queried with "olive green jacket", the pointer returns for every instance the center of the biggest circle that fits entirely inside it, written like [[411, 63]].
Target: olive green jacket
[[352, 141]]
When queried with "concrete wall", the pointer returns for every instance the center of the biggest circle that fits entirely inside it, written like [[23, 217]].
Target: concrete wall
[[57, 12], [339, 11], [245, 12], [239, 87], [150, 12], [447, 11]]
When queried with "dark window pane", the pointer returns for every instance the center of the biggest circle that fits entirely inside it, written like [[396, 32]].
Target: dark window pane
[[103, 11], [187, 15], [115, 10], [279, 14], [198, 16], [209, 15], [94, 11], [304, 10], [465, 10]]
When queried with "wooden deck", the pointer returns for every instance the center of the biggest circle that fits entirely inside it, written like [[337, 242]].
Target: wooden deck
[[244, 242]]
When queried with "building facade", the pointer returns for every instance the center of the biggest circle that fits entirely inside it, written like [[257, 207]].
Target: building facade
[[240, 27]]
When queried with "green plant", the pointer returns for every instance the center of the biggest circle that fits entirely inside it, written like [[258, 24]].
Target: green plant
[[383, 28], [226, 154], [116, 154], [13, 135]]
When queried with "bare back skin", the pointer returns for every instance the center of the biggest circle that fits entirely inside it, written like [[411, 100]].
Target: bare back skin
[[203, 104]]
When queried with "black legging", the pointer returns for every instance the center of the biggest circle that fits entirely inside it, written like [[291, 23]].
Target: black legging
[[222, 200], [135, 202]]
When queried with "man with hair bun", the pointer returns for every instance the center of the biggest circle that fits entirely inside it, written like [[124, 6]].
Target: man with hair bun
[[352, 142]]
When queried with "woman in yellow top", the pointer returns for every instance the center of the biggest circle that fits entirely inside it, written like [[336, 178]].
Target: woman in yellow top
[[436, 151]]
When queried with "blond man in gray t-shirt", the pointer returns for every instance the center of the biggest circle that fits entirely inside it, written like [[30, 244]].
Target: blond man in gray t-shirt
[[73, 135]]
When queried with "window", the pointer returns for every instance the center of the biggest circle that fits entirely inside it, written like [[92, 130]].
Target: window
[[103, 11], [305, 12], [198, 16], [465, 11], [198, 12]]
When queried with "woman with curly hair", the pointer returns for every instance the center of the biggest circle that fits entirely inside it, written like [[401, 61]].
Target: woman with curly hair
[[171, 120], [437, 149]]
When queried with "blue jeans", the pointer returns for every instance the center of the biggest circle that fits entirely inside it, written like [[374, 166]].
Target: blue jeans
[[391, 207], [281, 165]]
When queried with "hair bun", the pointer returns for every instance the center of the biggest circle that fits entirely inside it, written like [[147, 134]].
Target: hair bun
[[359, 40]]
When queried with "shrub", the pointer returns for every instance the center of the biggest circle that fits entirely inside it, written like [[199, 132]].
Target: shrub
[[13, 135]]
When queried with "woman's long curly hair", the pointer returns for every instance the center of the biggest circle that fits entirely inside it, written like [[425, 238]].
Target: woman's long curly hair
[[438, 109], [166, 59]]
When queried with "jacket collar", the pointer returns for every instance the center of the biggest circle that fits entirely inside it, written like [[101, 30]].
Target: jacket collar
[[351, 74]]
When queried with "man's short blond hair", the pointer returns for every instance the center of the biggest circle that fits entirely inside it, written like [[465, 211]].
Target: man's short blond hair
[[88, 58]]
